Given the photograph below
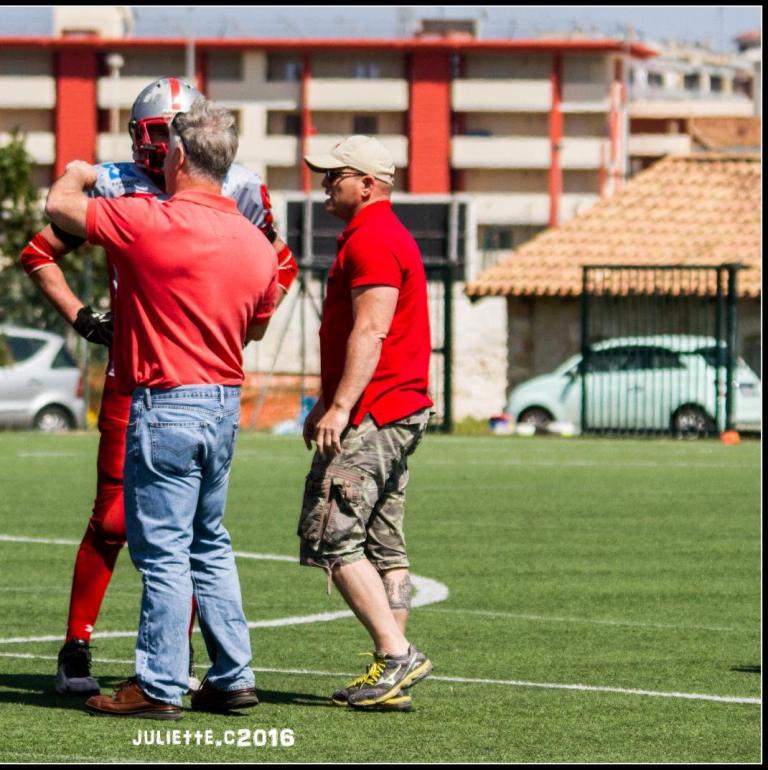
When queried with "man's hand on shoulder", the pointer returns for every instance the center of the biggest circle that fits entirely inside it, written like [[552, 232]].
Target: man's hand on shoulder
[[83, 172], [67, 201]]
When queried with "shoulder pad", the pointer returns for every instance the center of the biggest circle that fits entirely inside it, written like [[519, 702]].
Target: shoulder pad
[[246, 188], [118, 179]]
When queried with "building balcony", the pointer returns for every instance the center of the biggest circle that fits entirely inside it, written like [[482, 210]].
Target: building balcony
[[581, 152], [572, 204], [656, 145], [272, 95], [517, 208], [395, 143], [490, 95], [113, 148], [41, 145], [585, 97], [512, 208], [731, 107], [500, 152], [359, 95], [269, 150], [27, 92]]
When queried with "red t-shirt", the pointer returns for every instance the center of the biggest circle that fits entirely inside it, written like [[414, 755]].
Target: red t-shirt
[[376, 249], [194, 273]]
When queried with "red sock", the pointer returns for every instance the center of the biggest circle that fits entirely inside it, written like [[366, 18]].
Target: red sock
[[93, 570]]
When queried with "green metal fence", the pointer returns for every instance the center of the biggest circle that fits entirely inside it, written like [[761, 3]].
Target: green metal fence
[[658, 347]]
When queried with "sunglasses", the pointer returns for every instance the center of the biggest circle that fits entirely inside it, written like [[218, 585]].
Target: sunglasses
[[335, 175]]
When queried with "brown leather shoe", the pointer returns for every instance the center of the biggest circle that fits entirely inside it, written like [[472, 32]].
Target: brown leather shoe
[[129, 700], [210, 698]]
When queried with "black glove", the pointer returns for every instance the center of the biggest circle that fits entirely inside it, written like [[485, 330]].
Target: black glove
[[95, 327]]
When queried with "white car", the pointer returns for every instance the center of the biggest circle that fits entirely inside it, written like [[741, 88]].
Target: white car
[[656, 383], [40, 383]]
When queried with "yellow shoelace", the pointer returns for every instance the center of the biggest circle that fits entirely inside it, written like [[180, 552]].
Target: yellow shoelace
[[372, 673]]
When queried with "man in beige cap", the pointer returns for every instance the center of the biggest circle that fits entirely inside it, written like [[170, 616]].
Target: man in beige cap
[[375, 349]]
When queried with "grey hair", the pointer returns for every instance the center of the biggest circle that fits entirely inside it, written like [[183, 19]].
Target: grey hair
[[208, 135]]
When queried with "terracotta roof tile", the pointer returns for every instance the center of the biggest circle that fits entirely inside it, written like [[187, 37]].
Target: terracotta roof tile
[[697, 209], [726, 133]]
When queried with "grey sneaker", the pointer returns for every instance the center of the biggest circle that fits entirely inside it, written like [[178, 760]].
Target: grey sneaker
[[341, 697], [388, 676], [73, 675]]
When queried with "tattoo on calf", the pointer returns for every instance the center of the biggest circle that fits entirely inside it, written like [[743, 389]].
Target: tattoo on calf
[[398, 591]]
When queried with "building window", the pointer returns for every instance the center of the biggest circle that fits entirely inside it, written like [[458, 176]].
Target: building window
[[497, 237], [655, 80], [742, 86], [692, 82], [225, 65], [282, 68], [292, 125], [716, 84], [365, 124], [367, 70]]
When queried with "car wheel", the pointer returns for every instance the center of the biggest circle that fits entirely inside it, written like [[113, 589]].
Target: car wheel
[[536, 416], [692, 422], [51, 419]]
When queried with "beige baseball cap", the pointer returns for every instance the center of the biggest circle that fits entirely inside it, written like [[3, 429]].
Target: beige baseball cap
[[363, 153]]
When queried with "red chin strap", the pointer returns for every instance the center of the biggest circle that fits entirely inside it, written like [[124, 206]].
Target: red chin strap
[[150, 143]]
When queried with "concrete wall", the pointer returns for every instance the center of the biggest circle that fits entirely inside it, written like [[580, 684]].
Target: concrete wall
[[480, 355]]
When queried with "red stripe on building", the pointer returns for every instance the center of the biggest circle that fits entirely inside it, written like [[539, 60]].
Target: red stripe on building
[[615, 120], [429, 123], [76, 111], [555, 140], [306, 123]]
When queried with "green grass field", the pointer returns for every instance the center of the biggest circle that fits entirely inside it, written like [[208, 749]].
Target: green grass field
[[594, 586]]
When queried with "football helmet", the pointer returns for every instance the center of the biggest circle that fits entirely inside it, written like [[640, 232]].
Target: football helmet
[[152, 111]]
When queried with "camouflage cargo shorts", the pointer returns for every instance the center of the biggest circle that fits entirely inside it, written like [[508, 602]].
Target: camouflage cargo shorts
[[354, 505]]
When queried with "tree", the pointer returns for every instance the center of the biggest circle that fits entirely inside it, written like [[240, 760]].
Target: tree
[[21, 216]]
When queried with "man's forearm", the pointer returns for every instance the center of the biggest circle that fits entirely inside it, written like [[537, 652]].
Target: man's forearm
[[363, 352], [67, 202], [54, 287]]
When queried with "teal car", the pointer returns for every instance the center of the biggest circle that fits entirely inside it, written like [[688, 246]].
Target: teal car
[[656, 383]]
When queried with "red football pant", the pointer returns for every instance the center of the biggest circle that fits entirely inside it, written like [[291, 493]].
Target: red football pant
[[105, 535]]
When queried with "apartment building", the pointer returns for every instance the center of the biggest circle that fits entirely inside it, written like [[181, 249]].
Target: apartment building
[[673, 94], [534, 131]]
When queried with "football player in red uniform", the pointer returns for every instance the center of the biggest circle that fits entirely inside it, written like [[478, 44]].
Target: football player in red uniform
[[151, 113]]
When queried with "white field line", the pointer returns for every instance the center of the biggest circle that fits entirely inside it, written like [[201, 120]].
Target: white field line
[[459, 680], [28, 455], [554, 619], [527, 462], [426, 591]]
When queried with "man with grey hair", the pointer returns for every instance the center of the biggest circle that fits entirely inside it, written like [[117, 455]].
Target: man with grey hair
[[185, 308], [208, 135]]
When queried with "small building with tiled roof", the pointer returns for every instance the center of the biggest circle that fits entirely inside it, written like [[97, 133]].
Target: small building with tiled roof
[[685, 210]]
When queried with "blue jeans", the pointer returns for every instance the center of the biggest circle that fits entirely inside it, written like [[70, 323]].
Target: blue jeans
[[179, 450]]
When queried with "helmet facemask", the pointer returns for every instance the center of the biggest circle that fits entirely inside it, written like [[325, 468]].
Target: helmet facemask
[[150, 137]]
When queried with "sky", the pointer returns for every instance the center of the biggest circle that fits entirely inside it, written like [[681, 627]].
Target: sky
[[717, 24]]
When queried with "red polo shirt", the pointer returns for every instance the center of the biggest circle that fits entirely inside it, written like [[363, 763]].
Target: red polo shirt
[[193, 274], [376, 249]]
